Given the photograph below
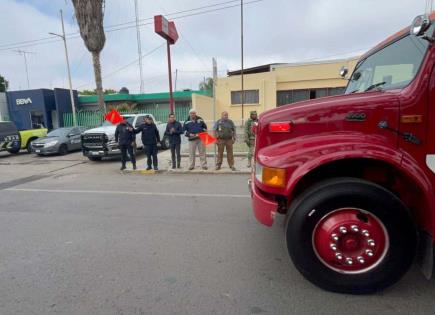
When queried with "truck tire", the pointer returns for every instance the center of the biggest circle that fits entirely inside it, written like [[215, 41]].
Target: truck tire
[[165, 143], [14, 151], [348, 235], [29, 146], [94, 158]]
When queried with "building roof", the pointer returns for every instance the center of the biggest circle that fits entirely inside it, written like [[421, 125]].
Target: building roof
[[273, 66], [178, 95]]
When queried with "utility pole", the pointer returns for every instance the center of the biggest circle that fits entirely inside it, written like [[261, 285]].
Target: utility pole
[[24, 53], [242, 70], [176, 78], [73, 105], [214, 99], [139, 46]]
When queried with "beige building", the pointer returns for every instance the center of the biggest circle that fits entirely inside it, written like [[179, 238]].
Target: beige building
[[273, 85]]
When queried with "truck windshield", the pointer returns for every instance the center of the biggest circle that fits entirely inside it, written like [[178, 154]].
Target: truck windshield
[[392, 67], [129, 119]]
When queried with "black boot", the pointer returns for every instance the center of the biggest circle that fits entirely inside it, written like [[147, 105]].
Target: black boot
[[134, 166], [123, 167]]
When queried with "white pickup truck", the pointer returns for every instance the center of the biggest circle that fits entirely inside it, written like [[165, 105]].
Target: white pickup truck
[[100, 142]]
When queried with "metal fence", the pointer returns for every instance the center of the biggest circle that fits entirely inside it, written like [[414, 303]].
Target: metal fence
[[92, 119]]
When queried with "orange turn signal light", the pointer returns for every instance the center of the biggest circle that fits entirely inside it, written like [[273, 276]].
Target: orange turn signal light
[[283, 126], [274, 177]]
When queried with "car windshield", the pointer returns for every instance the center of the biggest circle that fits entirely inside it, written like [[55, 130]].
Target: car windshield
[[392, 67], [129, 119], [59, 132]]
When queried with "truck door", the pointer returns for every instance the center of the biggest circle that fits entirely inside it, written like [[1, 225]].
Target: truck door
[[429, 154]]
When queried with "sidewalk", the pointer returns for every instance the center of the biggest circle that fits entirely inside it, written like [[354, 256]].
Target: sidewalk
[[165, 164]]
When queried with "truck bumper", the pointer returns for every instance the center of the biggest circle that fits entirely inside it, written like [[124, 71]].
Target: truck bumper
[[101, 152], [264, 209]]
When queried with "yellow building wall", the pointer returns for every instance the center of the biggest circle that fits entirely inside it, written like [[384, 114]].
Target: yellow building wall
[[286, 77], [203, 106]]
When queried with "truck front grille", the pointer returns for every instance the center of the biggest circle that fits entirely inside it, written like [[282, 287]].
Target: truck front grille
[[94, 141]]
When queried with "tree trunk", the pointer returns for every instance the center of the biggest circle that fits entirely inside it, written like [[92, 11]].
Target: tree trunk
[[98, 81]]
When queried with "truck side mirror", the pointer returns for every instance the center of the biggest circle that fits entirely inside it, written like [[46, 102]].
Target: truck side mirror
[[420, 25], [344, 71]]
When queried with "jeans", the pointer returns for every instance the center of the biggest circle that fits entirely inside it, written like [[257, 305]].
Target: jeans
[[151, 153], [124, 157], [175, 154]]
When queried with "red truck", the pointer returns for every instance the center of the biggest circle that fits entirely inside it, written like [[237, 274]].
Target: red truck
[[355, 174]]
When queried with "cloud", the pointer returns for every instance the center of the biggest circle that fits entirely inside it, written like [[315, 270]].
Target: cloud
[[275, 31]]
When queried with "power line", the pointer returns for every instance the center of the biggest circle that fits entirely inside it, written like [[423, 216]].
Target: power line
[[125, 66], [113, 28]]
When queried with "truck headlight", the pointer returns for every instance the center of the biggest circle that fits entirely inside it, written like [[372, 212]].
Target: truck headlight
[[51, 143], [274, 177]]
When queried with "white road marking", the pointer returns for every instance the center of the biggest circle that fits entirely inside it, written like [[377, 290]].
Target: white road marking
[[138, 193]]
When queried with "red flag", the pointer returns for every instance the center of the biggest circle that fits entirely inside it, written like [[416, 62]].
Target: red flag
[[114, 117], [206, 138]]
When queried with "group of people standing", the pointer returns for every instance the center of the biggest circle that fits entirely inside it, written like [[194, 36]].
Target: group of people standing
[[224, 130]]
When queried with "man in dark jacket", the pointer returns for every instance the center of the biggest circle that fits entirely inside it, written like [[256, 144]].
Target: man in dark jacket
[[150, 138], [124, 136], [193, 127], [173, 132]]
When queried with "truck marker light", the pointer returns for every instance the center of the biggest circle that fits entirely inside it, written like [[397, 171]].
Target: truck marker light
[[273, 177], [278, 127]]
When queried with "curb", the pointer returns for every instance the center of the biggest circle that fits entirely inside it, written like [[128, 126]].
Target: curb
[[195, 172], [236, 154]]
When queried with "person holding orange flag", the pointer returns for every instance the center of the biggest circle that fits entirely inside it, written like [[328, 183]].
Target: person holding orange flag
[[225, 132], [193, 127]]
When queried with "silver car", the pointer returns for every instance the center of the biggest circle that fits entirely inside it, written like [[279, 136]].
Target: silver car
[[61, 141]]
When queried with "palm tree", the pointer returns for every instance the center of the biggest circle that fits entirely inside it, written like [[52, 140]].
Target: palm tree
[[90, 15]]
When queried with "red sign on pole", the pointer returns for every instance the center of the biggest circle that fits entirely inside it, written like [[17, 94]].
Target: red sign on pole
[[165, 29], [168, 31]]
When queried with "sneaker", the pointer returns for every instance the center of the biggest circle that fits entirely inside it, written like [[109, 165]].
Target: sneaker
[[122, 168], [148, 168], [178, 166], [156, 168], [191, 168], [205, 168], [134, 167], [217, 168], [233, 169], [173, 167]]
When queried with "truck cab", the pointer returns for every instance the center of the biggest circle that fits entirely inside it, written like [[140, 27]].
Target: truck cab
[[100, 142], [355, 174], [9, 137]]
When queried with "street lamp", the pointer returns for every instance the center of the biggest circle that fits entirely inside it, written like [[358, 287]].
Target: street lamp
[[69, 71]]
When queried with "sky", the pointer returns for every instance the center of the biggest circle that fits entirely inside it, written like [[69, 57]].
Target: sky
[[276, 31]]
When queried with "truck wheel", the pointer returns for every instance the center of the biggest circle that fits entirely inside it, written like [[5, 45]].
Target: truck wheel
[[165, 143], [29, 146], [14, 151], [350, 236], [94, 158], [63, 149]]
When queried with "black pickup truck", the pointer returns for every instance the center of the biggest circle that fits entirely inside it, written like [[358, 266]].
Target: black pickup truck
[[10, 139]]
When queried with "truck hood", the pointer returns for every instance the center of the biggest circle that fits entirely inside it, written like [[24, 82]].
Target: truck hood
[[108, 130]]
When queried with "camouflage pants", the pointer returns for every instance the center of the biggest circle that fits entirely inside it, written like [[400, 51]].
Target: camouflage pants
[[251, 146]]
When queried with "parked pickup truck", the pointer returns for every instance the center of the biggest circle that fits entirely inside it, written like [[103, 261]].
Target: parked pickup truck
[[355, 174], [100, 142], [8, 137]]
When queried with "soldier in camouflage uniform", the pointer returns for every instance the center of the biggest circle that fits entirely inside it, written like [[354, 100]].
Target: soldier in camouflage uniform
[[249, 135], [225, 132]]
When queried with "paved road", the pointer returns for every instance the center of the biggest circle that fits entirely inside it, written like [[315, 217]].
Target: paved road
[[81, 238]]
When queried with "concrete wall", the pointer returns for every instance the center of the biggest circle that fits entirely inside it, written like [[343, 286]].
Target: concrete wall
[[4, 112], [280, 78]]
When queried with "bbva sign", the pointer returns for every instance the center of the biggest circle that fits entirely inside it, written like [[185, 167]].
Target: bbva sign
[[24, 101]]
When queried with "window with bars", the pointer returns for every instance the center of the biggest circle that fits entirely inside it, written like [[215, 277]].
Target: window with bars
[[251, 97]]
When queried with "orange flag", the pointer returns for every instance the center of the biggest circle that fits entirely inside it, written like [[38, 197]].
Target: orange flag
[[206, 138], [114, 117]]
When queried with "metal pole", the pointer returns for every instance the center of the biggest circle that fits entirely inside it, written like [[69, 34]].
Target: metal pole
[[176, 78], [71, 93], [171, 95], [139, 46], [242, 69], [214, 99], [27, 70]]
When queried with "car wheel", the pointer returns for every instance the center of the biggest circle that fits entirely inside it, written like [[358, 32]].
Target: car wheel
[[165, 143], [94, 158], [350, 236], [29, 146], [63, 149]]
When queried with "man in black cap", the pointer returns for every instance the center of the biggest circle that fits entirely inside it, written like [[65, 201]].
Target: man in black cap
[[250, 135], [124, 136]]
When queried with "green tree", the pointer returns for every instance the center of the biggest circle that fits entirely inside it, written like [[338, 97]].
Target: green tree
[[90, 15], [4, 84], [206, 85], [94, 92]]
